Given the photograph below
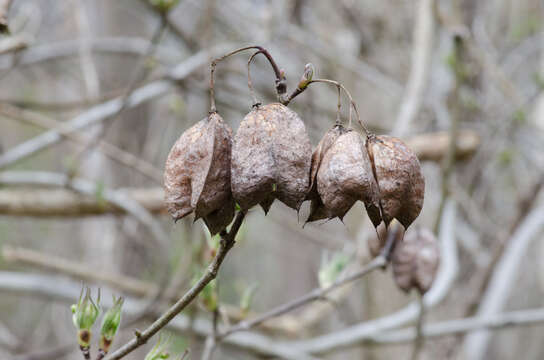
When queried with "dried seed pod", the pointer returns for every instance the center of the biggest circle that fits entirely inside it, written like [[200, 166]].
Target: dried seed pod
[[345, 176], [400, 181], [317, 209], [415, 261], [197, 174], [271, 157]]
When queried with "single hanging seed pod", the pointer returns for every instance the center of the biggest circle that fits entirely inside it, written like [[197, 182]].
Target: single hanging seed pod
[[415, 261], [345, 176], [317, 209], [197, 173], [400, 181], [271, 157]]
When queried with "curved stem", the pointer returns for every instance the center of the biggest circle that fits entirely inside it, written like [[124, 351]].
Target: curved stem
[[281, 87], [249, 84], [353, 106], [352, 102], [227, 242]]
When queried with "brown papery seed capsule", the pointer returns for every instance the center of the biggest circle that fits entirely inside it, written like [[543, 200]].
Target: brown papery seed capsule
[[317, 209], [345, 176], [197, 174], [400, 181], [271, 157], [415, 260]]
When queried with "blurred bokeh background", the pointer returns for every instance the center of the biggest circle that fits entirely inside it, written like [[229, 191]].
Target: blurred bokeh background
[[98, 91]]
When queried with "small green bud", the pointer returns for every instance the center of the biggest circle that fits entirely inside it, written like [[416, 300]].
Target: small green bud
[[84, 315], [164, 5], [110, 324], [307, 76], [158, 351]]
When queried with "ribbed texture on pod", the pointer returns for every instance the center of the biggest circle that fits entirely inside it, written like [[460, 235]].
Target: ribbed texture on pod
[[415, 260], [344, 176], [400, 181], [197, 174], [271, 157]]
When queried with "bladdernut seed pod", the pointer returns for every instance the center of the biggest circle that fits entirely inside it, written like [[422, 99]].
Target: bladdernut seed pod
[[271, 157], [197, 174], [345, 176], [400, 181], [415, 260], [317, 209]]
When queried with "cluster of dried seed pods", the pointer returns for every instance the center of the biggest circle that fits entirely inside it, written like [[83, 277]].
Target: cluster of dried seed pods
[[415, 260], [270, 158], [383, 173]]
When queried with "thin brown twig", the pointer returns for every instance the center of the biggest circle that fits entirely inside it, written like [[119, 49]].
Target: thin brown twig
[[249, 84], [418, 341], [316, 294], [226, 243], [299, 90], [113, 152]]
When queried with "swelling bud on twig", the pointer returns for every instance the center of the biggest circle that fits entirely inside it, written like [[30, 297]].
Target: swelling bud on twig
[[306, 76], [197, 174], [271, 156], [400, 181], [415, 261], [110, 326], [84, 315]]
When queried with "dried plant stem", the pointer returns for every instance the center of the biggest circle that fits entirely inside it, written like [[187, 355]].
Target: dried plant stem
[[299, 90], [281, 88], [418, 341], [339, 105], [249, 84], [226, 243]]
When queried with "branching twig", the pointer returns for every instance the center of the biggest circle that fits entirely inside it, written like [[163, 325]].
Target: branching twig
[[99, 113], [313, 295], [141, 74], [113, 152], [226, 243], [300, 90]]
